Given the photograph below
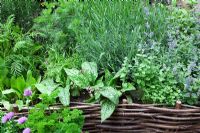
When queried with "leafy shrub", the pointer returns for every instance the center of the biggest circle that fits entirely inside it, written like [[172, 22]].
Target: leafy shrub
[[23, 10], [57, 37], [158, 83], [62, 120], [183, 53], [106, 89], [16, 86], [18, 52]]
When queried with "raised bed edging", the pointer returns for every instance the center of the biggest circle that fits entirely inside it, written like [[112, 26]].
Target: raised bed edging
[[139, 118]]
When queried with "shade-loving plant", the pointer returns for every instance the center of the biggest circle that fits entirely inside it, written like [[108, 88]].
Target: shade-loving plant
[[105, 89], [14, 91]]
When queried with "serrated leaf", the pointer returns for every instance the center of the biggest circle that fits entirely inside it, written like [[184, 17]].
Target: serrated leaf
[[107, 109], [111, 93]]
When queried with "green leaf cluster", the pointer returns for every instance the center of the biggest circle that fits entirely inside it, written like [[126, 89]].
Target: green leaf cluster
[[60, 121]]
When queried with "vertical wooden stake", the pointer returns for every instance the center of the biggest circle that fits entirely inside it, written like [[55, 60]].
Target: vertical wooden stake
[[178, 104]]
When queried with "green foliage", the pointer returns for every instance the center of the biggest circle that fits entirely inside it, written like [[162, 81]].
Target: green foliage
[[50, 90], [184, 52], [108, 31], [53, 23], [8, 127], [57, 37], [23, 10], [158, 84], [18, 52], [105, 90], [15, 90], [63, 120], [19, 84]]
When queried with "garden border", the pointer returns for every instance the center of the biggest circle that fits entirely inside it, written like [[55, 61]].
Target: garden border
[[137, 118]]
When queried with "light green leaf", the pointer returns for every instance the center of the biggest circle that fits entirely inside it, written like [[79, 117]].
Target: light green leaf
[[109, 79], [127, 87], [47, 86], [129, 99], [78, 78], [111, 93], [8, 91], [107, 109], [72, 72], [64, 95], [90, 67], [7, 105], [30, 80], [18, 84], [20, 104]]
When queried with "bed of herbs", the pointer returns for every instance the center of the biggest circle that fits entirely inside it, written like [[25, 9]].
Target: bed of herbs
[[55, 51]]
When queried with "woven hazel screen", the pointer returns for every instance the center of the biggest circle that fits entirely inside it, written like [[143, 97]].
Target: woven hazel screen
[[129, 118], [138, 118]]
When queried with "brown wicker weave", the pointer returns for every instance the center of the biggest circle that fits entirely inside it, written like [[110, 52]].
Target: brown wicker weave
[[130, 118], [139, 118]]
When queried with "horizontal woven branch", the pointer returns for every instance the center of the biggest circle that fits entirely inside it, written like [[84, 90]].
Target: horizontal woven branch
[[140, 118]]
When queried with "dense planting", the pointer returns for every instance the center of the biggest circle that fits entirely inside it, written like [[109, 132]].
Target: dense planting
[[105, 50]]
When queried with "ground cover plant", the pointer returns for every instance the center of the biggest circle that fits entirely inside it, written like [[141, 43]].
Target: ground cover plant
[[108, 50]]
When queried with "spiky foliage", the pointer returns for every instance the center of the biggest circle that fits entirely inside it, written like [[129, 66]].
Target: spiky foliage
[[18, 52]]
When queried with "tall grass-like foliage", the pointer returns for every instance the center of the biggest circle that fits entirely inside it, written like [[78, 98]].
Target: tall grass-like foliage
[[23, 10], [108, 31]]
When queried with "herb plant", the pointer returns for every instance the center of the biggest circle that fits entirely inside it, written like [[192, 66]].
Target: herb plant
[[63, 120]]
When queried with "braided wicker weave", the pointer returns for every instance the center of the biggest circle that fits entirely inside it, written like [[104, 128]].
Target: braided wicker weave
[[129, 118], [139, 118]]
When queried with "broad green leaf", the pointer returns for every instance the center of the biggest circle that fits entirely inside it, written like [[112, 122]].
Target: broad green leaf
[[90, 67], [47, 86], [8, 91], [111, 93], [99, 84], [79, 79], [119, 73], [64, 95], [30, 80], [18, 84], [107, 109], [20, 104], [127, 87], [72, 72], [7, 105], [109, 79]]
